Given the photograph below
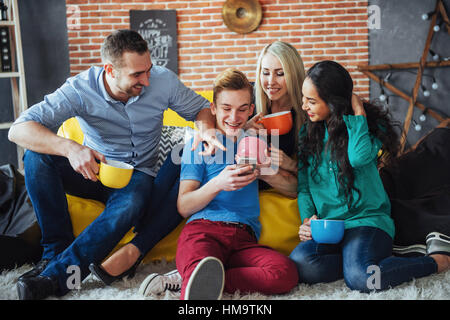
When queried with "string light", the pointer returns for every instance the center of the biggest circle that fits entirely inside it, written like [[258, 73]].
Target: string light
[[434, 85], [427, 16], [426, 93], [434, 55], [417, 126], [386, 102], [382, 96], [423, 116], [437, 26]]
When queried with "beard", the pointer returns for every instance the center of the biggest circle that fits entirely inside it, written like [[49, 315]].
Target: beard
[[132, 91]]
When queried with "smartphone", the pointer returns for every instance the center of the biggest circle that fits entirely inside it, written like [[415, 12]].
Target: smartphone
[[246, 160], [243, 161]]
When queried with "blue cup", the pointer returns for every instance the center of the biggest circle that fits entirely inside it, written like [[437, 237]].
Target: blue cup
[[327, 231]]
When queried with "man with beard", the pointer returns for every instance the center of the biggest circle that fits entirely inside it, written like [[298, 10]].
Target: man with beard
[[120, 110]]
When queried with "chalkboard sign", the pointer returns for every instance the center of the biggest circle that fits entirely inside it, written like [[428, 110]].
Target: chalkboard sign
[[159, 29]]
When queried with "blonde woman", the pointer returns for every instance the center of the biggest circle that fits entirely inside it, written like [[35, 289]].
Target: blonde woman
[[279, 79]]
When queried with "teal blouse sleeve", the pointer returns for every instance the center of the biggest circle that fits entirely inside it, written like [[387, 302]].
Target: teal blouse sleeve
[[304, 199], [305, 202], [362, 147]]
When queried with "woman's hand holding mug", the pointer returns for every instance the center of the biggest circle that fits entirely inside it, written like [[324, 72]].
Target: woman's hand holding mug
[[304, 232]]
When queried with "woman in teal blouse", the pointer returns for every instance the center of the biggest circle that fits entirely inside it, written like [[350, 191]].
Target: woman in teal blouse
[[338, 179]]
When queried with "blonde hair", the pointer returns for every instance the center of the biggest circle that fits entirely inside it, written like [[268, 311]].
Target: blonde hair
[[294, 73], [231, 79]]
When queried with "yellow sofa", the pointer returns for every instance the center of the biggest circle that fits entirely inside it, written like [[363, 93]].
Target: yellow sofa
[[280, 218]]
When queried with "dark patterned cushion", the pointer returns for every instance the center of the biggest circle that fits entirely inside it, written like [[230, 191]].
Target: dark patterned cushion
[[170, 137]]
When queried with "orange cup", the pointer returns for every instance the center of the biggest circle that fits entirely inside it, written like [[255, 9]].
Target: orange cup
[[281, 121]]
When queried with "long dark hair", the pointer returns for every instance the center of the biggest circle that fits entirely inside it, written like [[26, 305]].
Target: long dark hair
[[334, 86]]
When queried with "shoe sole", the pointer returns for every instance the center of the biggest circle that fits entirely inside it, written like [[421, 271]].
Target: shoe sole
[[147, 282], [413, 250], [206, 281]]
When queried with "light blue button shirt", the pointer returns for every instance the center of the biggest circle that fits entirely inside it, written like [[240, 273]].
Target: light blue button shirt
[[128, 132]]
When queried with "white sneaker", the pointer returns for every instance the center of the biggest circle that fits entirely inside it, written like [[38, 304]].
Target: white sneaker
[[438, 243], [207, 280], [158, 283]]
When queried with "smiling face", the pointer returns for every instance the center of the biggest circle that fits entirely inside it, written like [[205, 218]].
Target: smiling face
[[232, 110], [272, 78], [313, 104], [128, 79]]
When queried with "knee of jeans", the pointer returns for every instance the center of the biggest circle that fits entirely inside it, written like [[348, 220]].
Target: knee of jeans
[[30, 157], [299, 255], [356, 278], [302, 261], [135, 206], [33, 160]]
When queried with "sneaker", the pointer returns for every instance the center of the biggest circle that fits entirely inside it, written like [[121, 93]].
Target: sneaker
[[158, 283], [206, 281], [415, 250], [438, 243]]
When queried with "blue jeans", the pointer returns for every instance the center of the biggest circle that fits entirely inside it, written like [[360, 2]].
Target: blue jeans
[[48, 178], [363, 258], [163, 216]]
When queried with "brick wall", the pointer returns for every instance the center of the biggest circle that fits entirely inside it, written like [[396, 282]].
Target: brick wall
[[319, 29]]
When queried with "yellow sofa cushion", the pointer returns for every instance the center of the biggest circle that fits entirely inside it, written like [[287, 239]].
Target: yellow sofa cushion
[[280, 221], [84, 211], [171, 118], [280, 218]]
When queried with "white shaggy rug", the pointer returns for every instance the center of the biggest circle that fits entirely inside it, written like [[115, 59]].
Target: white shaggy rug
[[434, 287]]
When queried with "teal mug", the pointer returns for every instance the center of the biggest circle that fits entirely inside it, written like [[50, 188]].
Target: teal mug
[[327, 231]]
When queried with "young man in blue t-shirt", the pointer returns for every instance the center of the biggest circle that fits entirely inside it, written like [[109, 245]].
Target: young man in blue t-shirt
[[218, 248]]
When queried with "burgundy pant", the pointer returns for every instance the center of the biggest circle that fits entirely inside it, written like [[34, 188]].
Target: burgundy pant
[[249, 267]]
